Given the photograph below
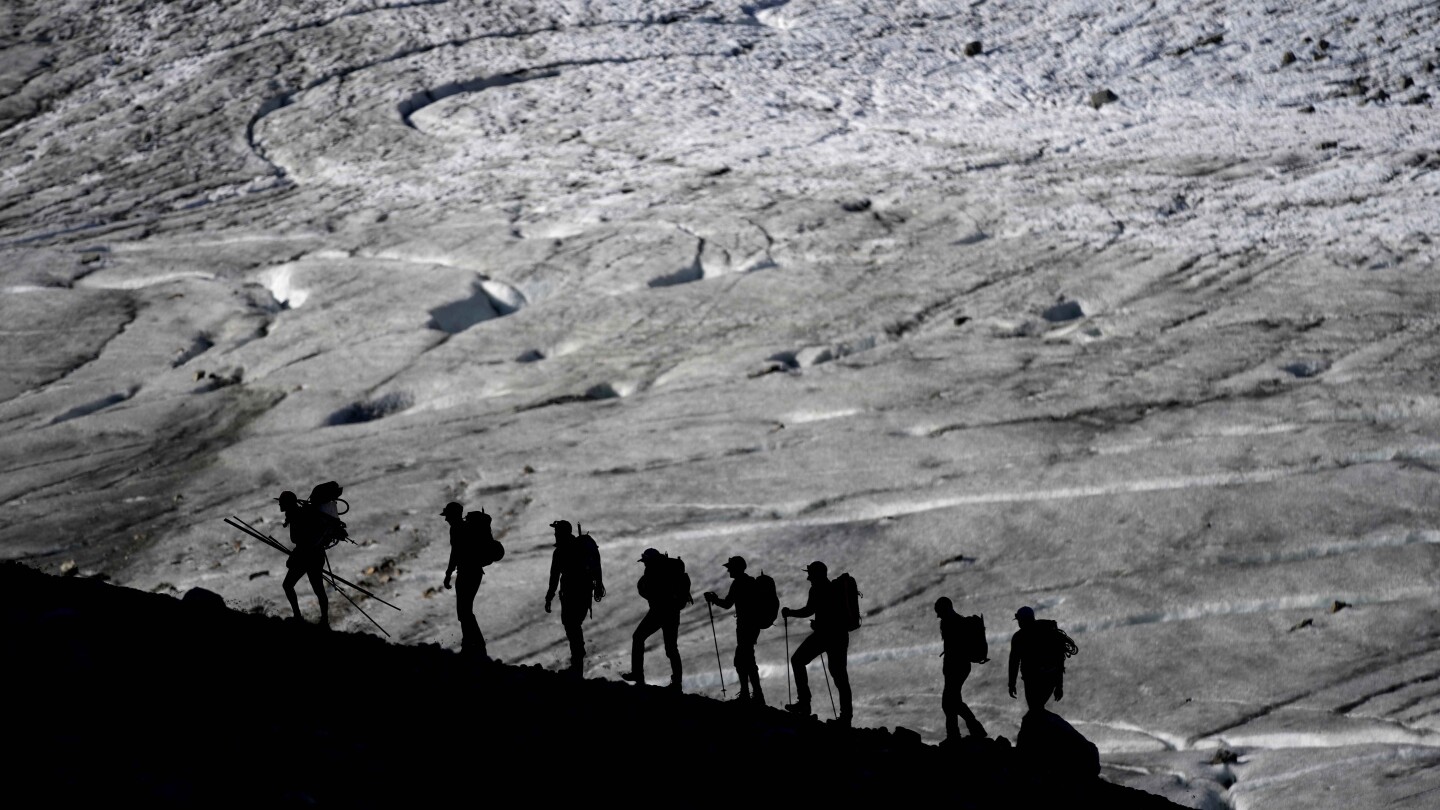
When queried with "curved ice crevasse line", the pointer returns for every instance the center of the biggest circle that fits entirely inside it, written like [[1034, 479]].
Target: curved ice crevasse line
[[103, 283], [900, 508], [1328, 741], [877, 511]]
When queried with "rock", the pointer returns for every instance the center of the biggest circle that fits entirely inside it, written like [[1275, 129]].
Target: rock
[[1308, 109], [1307, 367], [856, 205], [203, 599], [1337, 606], [68, 568], [1100, 98], [1324, 145], [1224, 756], [1056, 748], [1418, 98], [1287, 58], [974, 48], [1064, 311], [905, 736], [1302, 624]]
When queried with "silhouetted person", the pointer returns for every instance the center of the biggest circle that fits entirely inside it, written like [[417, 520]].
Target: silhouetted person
[[829, 637], [1033, 656], [742, 595], [666, 589], [956, 668], [307, 559], [575, 569], [465, 537]]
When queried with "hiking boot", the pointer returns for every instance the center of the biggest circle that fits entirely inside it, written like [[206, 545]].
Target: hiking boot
[[674, 686], [633, 677], [743, 697], [843, 720], [802, 709]]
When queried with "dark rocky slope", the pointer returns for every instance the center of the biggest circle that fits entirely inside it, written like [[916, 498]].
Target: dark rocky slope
[[119, 695]]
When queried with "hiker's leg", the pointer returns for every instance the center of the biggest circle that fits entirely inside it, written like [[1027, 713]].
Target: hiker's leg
[[473, 641], [572, 616], [808, 651], [948, 699], [670, 630], [1037, 691], [319, 585], [839, 654], [293, 576], [745, 666], [972, 723], [643, 631]]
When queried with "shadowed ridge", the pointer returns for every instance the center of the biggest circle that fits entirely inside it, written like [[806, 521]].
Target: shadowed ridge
[[124, 695]]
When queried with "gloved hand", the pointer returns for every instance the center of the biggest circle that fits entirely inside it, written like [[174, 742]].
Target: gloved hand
[[785, 611], [447, 582], [1012, 690], [547, 603], [599, 592], [710, 597]]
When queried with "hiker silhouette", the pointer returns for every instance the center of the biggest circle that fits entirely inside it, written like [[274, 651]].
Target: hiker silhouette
[[665, 587], [829, 637], [307, 559], [957, 654], [466, 536], [745, 596], [1037, 653], [575, 570]]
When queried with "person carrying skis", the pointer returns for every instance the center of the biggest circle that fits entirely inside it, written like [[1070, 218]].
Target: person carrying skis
[[307, 559]]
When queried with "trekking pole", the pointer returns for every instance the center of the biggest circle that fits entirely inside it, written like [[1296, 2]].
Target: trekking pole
[[825, 668], [716, 639], [788, 698]]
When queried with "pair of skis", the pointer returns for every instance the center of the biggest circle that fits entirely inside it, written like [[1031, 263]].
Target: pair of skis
[[335, 582]]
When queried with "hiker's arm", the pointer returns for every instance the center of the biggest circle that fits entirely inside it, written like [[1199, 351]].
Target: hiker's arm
[[1014, 666], [450, 567], [554, 577], [809, 609], [726, 602]]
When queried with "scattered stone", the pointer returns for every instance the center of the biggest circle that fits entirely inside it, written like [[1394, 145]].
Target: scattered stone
[[1406, 83], [528, 470], [1303, 624], [1100, 98], [856, 205], [1337, 606], [1429, 66], [974, 48], [1308, 109], [716, 172], [68, 568], [1306, 368], [1323, 44], [1379, 95], [259, 574], [1064, 311], [1419, 98], [1324, 145], [199, 374], [204, 599], [1213, 39], [961, 320], [1224, 756], [1287, 58]]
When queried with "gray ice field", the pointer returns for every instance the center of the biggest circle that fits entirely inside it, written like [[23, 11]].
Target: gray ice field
[[792, 280]]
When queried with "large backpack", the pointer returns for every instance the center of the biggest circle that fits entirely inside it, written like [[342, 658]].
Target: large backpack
[[329, 528], [973, 646], [679, 582], [766, 605], [1054, 645], [589, 553], [847, 602], [489, 550]]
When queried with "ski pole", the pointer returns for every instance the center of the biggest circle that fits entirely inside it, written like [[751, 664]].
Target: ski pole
[[352, 601], [718, 666], [788, 698], [273, 543], [825, 668]]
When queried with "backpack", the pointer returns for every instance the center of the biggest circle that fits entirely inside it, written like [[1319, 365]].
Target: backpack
[[678, 582], [766, 605], [488, 549], [329, 528], [1054, 645], [973, 646], [589, 553], [847, 603]]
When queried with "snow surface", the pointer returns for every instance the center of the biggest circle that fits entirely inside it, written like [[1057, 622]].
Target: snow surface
[[793, 280]]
